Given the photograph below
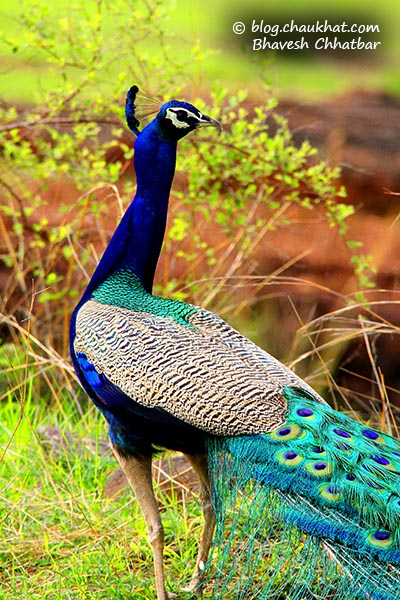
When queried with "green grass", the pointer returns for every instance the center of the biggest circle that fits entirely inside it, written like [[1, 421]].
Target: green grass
[[60, 537]]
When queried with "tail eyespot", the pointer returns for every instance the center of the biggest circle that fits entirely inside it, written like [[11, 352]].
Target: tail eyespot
[[380, 538], [289, 458], [319, 468], [330, 492], [289, 431]]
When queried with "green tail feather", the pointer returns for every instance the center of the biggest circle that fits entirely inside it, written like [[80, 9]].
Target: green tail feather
[[311, 510]]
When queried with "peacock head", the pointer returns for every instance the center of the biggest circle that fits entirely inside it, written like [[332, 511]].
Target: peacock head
[[175, 118]]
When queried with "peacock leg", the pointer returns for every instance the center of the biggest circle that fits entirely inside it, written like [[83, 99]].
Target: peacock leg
[[138, 472], [199, 464]]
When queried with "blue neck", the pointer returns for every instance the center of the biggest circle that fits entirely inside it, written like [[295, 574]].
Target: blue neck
[[137, 241]]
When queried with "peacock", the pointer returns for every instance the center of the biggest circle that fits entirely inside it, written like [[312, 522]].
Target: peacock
[[299, 501]]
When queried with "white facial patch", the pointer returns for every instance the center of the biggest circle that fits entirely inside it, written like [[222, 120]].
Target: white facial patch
[[172, 116]]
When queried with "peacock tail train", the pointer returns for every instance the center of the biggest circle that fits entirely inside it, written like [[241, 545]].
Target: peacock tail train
[[308, 511]]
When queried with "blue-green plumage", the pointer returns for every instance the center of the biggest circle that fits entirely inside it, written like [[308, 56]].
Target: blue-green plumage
[[297, 488], [321, 474], [124, 289], [340, 466]]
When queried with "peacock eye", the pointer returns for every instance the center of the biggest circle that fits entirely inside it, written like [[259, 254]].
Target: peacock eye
[[181, 114]]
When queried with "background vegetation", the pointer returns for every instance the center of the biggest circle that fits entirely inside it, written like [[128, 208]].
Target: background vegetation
[[66, 177], [199, 37]]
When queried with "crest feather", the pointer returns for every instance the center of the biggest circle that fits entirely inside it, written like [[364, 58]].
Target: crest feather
[[139, 106]]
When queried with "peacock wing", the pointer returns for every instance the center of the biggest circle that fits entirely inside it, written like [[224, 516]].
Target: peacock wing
[[186, 370], [212, 325]]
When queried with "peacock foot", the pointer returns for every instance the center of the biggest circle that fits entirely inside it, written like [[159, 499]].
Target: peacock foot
[[194, 589], [195, 586]]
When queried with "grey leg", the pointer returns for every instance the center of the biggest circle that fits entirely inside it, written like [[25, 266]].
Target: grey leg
[[199, 464], [138, 472]]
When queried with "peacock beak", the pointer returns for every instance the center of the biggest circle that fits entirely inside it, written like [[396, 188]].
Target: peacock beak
[[206, 121]]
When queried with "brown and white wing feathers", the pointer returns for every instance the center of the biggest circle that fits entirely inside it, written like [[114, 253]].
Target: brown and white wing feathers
[[205, 374]]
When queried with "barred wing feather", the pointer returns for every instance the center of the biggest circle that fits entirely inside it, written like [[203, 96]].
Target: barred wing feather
[[201, 374], [212, 325]]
